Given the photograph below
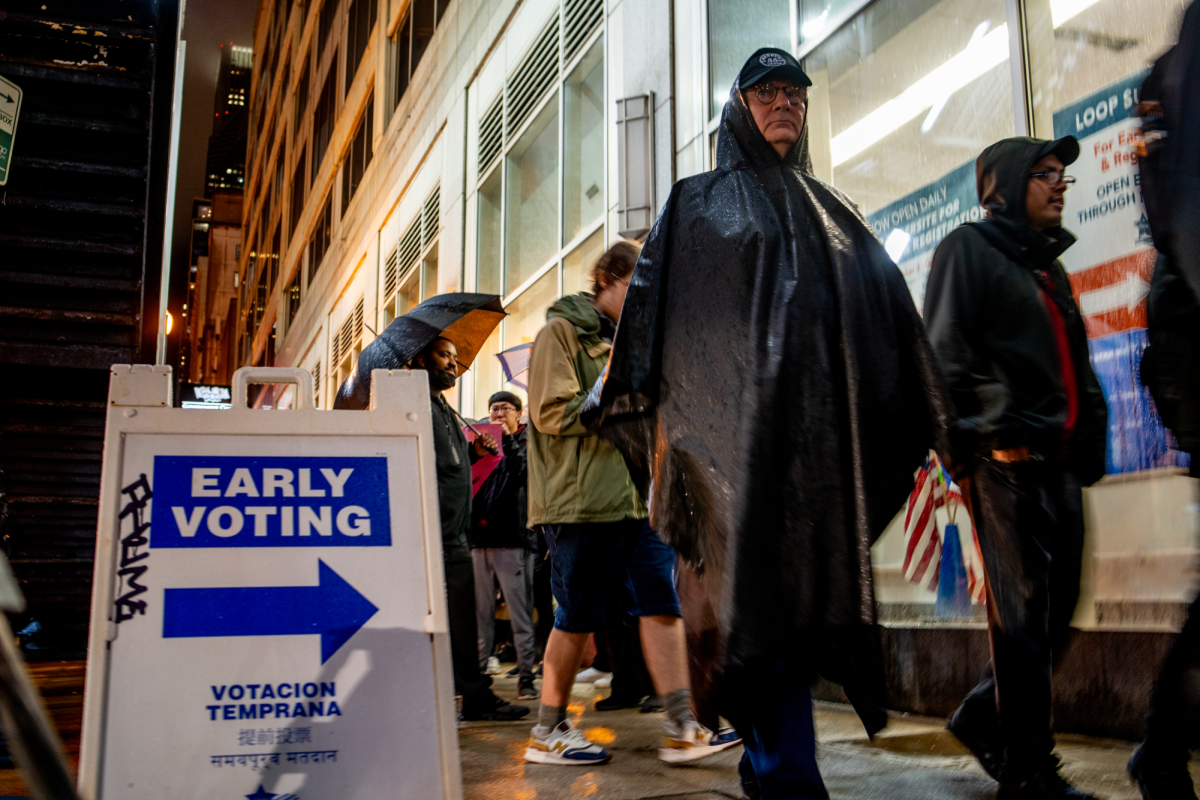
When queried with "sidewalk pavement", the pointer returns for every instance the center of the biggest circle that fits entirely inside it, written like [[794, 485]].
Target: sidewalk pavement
[[914, 758]]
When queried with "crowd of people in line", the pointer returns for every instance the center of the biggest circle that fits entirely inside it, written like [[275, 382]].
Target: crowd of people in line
[[718, 431]]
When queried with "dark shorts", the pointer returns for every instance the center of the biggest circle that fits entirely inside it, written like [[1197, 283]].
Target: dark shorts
[[602, 571]]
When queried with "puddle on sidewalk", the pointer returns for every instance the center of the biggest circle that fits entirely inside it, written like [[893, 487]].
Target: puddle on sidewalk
[[941, 744]]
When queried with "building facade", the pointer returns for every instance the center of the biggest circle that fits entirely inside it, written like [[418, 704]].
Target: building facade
[[404, 148]]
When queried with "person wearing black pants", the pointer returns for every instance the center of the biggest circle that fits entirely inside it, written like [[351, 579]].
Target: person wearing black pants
[[453, 457], [1032, 429]]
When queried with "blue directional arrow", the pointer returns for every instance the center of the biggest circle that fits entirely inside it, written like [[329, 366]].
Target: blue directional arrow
[[332, 608]]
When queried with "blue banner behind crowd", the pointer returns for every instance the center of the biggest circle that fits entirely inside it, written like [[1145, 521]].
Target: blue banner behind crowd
[[1137, 439]]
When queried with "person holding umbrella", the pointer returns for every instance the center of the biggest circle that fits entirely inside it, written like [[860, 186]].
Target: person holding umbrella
[[428, 338]]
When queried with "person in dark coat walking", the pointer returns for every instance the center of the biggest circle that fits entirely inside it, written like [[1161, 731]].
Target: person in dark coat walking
[[773, 389], [453, 457], [502, 545], [1031, 431], [1169, 164]]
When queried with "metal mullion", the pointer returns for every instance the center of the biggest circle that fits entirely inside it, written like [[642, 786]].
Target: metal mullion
[[539, 273], [833, 26], [705, 88], [533, 115]]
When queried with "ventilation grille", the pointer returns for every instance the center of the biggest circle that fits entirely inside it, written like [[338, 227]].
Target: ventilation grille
[[583, 16], [491, 134], [389, 273], [347, 333], [316, 373], [433, 211], [410, 246], [536, 74], [336, 350], [358, 320]]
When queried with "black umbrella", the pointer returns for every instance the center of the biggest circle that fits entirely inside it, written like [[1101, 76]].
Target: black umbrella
[[467, 320]]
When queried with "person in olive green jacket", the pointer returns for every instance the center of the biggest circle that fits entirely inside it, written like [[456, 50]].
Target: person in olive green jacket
[[606, 560]]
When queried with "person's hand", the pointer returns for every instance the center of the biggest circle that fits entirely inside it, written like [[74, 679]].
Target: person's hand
[[485, 445]]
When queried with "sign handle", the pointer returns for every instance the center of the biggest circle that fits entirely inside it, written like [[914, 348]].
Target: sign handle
[[245, 376]]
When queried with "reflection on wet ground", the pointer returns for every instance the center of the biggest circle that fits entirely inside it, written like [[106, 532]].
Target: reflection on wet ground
[[914, 758]]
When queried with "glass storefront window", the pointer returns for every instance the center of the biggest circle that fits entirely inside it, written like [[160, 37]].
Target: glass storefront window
[[487, 277], [736, 28], [577, 266], [409, 294], [817, 17], [531, 195], [583, 162], [429, 273], [1096, 43], [488, 374], [906, 93], [527, 314]]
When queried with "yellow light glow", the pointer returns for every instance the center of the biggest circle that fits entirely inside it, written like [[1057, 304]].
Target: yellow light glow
[[170, 322]]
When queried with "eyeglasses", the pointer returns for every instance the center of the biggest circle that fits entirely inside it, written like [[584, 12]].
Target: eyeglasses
[[502, 408], [1054, 177], [765, 93]]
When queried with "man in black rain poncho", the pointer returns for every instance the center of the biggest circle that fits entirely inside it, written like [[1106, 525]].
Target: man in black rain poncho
[[772, 389]]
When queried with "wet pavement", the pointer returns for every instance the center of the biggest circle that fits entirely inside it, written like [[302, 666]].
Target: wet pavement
[[914, 758]]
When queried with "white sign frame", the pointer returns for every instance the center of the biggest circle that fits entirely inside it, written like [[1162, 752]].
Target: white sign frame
[[139, 408]]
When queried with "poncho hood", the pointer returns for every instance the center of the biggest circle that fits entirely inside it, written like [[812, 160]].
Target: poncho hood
[[773, 392]]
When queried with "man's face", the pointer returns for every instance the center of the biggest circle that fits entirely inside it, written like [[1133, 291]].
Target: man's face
[[504, 413], [780, 120], [1044, 197], [441, 357]]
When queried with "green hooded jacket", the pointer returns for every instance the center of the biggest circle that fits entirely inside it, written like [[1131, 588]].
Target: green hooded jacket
[[574, 476]]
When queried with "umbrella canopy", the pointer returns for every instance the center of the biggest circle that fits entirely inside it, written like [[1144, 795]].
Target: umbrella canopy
[[465, 319], [515, 363]]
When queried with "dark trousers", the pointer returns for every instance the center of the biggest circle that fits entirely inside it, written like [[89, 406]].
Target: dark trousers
[[1173, 725], [1029, 517], [630, 678], [472, 684], [543, 598], [771, 708]]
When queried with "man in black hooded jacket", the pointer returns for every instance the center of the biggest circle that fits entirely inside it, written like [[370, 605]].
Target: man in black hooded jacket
[[1031, 431]]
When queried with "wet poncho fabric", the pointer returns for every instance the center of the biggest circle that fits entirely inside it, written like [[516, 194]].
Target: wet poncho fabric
[[773, 391]]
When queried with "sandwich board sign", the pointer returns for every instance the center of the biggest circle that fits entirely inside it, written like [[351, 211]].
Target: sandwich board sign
[[268, 611]]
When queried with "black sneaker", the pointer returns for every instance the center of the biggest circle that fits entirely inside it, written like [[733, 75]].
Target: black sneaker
[[525, 689], [504, 712], [1046, 784], [983, 744], [615, 703], [514, 672], [1161, 779]]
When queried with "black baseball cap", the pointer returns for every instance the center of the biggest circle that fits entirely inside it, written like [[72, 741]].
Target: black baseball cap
[[1066, 148], [771, 63]]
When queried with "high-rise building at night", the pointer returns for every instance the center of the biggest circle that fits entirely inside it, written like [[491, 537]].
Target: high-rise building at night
[[226, 164]]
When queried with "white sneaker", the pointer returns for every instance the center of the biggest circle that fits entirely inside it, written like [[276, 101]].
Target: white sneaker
[[565, 744], [603, 682], [590, 675], [493, 667], [691, 742]]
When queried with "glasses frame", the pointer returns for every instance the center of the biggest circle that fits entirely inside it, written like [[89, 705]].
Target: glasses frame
[[758, 89], [1063, 178]]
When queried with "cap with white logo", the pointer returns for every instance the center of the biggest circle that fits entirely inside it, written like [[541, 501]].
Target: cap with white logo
[[771, 63]]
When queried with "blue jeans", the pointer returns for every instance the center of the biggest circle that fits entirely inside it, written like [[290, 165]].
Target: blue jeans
[[774, 717]]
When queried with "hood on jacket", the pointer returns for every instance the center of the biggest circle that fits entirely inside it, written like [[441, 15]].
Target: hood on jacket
[[1002, 182], [577, 309]]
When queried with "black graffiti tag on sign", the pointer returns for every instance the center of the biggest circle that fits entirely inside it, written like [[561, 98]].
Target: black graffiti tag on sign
[[131, 567]]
